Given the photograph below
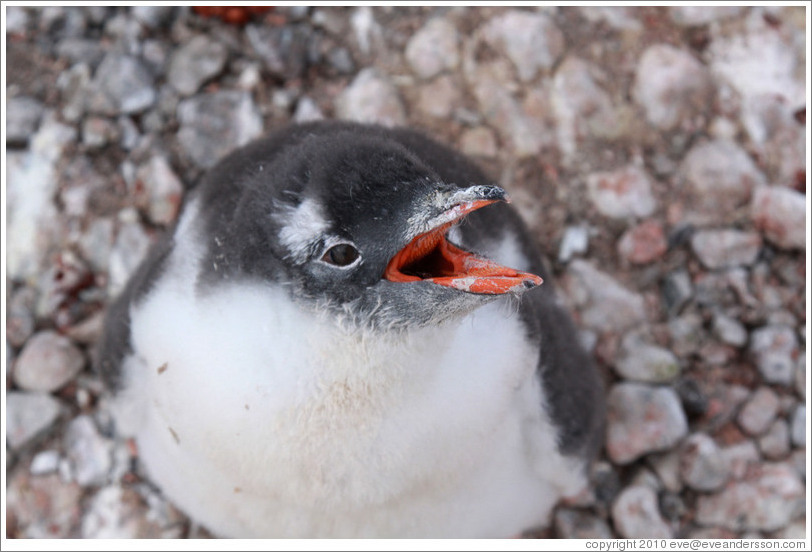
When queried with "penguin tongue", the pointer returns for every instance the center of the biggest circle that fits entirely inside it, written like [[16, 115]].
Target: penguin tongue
[[430, 257]]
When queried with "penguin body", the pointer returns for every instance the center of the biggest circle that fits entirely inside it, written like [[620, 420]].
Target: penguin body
[[330, 343]]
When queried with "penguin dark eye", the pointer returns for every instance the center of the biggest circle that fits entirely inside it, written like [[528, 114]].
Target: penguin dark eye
[[342, 254]]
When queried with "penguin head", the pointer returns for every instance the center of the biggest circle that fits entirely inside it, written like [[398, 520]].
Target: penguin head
[[358, 227]]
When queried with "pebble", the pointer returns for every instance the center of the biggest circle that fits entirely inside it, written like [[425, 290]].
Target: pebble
[[800, 375], [43, 506], [89, 453], [672, 86], [644, 243], [283, 50], [798, 431], [440, 97], [47, 362], [17, 20], [642, 419], [28, 415], [639, 360], [691, 16], [575, 241], [667, 467], [775, 350], [531, 41], [774, 444], [307, 110], [371, 98], [97, 132], [20, 316], [580, 524], [636, 514], [163, 188], [80, 50], [720, 178], [45, 462], [759, 412], [213, 125], [726, 248], [768, 498], [194, 63], [677, 290], [121, 85], [581, 107], [129, 249], [739, 458], [153, 17], [23, 115], [434, 48], [728, 330], [478, 142], [604, 304], [780, 214], [623, 193], [703, 467]]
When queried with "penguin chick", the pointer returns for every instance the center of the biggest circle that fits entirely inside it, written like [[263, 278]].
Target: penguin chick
[[345, 335]]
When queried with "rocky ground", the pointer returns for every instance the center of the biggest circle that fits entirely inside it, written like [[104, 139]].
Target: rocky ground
[[658, 153]]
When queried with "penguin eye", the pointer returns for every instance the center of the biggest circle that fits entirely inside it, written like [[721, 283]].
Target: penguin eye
[[343, 254]]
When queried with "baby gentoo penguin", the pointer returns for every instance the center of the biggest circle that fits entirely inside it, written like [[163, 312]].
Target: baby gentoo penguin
[[346, 335]]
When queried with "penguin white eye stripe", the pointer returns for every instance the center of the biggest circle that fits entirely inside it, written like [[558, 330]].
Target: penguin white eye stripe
[[301, 228]]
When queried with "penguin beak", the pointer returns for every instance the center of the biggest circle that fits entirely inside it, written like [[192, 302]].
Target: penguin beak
[[430, 257]]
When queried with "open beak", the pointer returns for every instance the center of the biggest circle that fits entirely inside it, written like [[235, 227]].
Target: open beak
[[430, 257]]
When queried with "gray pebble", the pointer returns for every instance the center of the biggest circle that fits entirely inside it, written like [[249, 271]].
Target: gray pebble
[[726, 248], [623, 193], [759, 412], [642, 419], [212, 125], [28, 415], [122, 84], [371, 98], [23, 115], [676, 291], [194, 63], [689, 16], [729, 330], [20, 316], [44, 462], [47, 362], [780, 214], [579, 524], [282, 50], [798, 431], [89, 453], [702, 465], [163, 188], [642, 361], [130, 247], [740, 457], [307, 110], [636, 514], [605, 305], [530, 40], [774, 349], [80, 50], [774, 444], [152, 16], [575, 241], [434, 48]]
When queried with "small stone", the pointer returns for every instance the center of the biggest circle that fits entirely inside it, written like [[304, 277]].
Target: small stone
[[121, 85], [672, 86], [96, 243], [729, 330], [726, 248], [213, 125], [702, 464], [163, 188], [798, 421], [434, 48], [28, 415], [604, 304], [676, 291], [694, 400], [23, 114], [371, 98], [780, 214], [20, 316], [643, 243], [98, 132], [530, 40], [624, 193], [642, 419], [478, 142], [17, 20], [774, 444], [642, 361], [667, 467], [307, 110], [44, 507], [795, 530], [47, 362], [340, 60], [578, 524], [690, 16], [80, 50], [636, 514], [90, 454], [45, 462], [720, 177], [194, 63], [800, 375], [766, 500], [283, 50], [740, 457], [575, 241], [759, 412], [775, 348], [129, 249], [153, 16], [439, 98]]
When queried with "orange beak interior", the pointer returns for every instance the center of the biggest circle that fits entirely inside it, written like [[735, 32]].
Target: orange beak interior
[[430, 257]]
